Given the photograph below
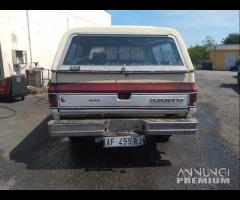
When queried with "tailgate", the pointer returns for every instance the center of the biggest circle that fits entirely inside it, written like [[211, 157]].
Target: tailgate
[[121, 100], [118, 92]]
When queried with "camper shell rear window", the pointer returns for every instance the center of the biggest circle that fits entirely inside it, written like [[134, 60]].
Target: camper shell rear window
[[122, 50]]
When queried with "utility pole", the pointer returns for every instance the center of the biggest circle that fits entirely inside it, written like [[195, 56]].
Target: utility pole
[[29, 38]]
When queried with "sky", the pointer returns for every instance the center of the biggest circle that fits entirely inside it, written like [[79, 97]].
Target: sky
[[194, 25]]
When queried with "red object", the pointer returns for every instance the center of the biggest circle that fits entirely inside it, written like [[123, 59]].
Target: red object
[[193, 94], [172, 87], [193, 99], [53, 100], [5, 86]]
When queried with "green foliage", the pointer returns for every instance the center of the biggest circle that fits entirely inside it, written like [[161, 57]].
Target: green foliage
[[198, 52], [232, 38], [201, 52]]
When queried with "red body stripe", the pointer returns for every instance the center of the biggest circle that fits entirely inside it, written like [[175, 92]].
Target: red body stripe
[[171, 87]]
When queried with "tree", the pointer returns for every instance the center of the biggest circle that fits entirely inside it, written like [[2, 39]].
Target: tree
[[208, 42], [198, 53], [232, 38]]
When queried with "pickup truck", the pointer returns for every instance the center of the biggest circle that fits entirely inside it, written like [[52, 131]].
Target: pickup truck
[[122, 85]]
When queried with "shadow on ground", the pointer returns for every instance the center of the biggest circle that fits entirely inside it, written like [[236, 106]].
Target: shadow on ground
[[40, 151], [4, 99], [235, 87]]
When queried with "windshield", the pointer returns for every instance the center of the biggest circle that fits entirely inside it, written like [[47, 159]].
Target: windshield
[[122, 50]]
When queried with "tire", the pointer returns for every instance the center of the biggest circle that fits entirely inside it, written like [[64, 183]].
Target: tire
[[163, 138], [74, 139], [22, 98], [80, 143], [82, 140]]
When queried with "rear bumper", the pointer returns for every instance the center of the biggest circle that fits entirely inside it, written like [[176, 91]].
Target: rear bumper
[[113, 127]]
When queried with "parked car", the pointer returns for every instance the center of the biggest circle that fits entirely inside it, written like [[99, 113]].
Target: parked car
[[238, 73], [122, 86], [233, 68], [204, 65]]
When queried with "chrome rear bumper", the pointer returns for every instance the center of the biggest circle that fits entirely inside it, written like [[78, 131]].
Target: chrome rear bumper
[[111, 127]]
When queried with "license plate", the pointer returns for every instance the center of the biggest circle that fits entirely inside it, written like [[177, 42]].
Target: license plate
[[124, 141]]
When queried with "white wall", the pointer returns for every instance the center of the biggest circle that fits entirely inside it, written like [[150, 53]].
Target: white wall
[[13, 35], [46, 29]]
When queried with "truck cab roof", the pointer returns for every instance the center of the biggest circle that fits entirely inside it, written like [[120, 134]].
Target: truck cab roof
[[121, 30]]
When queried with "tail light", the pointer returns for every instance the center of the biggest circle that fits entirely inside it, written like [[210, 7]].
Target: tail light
[[52, 96], [52, 88], [53, 100], [193, 94], [193, 99]]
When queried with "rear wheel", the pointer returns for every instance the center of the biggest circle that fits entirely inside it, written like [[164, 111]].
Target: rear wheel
[[73, 138], [162, 138], [82, 140], [84, 143]]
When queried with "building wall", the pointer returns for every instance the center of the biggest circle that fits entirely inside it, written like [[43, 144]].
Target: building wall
[[217, 57], [13, 35], [46, 30]]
